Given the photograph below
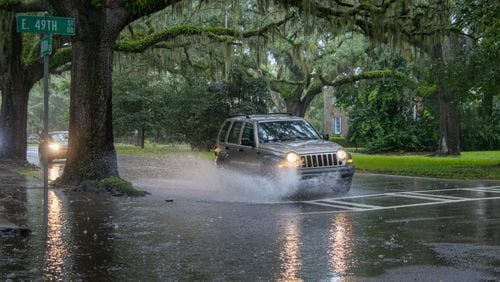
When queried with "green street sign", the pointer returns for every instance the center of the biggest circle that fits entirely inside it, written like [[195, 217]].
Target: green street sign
[[47, 25], [46, 45]]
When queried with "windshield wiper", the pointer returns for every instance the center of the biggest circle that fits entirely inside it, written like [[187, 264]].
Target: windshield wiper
[[304, 138], [271, 140]]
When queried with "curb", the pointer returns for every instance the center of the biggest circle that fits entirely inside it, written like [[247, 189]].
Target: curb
[[9, 229]]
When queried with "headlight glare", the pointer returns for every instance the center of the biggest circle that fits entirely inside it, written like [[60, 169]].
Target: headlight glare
[[341, 154], [292, 157], [54, 146]]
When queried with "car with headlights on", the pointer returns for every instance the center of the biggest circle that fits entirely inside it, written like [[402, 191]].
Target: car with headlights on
[[54, 146], [271, 143]]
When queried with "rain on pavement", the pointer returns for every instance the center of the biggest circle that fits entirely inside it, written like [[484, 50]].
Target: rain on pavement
[[199, 223]]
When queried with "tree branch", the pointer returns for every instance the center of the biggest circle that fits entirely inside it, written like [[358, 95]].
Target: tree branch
[[220, 34], [374, 74]]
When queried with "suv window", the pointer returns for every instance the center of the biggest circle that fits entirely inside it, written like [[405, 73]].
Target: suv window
[[234, 134], [248, 132], [223, 131]]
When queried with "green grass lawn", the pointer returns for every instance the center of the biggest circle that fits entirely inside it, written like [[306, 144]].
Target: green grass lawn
[[469, 165]]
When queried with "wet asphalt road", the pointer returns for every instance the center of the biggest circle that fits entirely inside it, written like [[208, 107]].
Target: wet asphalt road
[[203, 224]]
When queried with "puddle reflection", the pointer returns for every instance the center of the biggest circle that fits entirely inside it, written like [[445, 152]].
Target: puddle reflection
[[290, 252], [57, 250], [55, 171], [341, 248]]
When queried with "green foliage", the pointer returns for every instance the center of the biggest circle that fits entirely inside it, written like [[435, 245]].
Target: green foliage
[[198, 107], [315, 114], [383, 119], [30, 49], [195, 113], [480, 107], [480, 132], [247, 94], [287, 91], [341, 140], [118, 186], [58, 104], [168, 104], [137, 103]]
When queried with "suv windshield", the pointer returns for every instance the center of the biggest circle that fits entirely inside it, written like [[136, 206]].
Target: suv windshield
[[286, 131]]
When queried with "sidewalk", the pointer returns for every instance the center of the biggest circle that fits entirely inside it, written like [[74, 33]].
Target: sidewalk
[[10, 182]]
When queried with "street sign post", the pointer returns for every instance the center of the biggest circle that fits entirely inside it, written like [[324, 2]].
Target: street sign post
[[47, 25]]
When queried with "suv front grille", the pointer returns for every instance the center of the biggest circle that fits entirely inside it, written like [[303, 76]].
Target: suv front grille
[[319, 160]]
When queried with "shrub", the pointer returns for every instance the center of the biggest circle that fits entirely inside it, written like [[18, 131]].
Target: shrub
[[118, 186]]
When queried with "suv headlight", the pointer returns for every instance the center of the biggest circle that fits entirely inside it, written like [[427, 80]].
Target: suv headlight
[[344, 157], [292, 157], [341, 155], [292, 160]]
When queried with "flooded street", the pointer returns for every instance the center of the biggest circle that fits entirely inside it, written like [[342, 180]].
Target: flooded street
[[202, 224]]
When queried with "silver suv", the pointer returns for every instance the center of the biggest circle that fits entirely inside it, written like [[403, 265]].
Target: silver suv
[[268, 144]]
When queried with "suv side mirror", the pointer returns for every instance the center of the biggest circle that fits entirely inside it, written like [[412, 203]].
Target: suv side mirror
[[326, 137], [247, 142]]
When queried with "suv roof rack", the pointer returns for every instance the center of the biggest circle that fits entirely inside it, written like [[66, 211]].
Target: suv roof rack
[[239, 115], [285, 114], [259, 115]]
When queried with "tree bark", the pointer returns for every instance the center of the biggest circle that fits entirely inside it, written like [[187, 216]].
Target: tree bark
[[327, 110], [91, 152], [143, 134], [486, 109], [15, 85], [449, 128], [296, 107]]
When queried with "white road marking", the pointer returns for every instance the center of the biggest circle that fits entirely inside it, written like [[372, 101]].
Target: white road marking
[[318, 203], [359, 205], [434, 199], [404, 195], [484, 189], [437, 196]]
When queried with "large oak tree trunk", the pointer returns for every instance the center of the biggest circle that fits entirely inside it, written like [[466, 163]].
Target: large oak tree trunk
[[15, 84], [92, 154], [298, 103], [449, 130], [296, 107]]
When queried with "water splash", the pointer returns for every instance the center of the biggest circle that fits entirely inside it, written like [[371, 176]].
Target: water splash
[[199, 179]]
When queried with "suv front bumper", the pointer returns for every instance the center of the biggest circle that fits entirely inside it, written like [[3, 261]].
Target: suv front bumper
[[339, 171]]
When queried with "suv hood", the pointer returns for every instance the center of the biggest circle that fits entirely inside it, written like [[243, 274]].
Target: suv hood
[[301, 147]]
